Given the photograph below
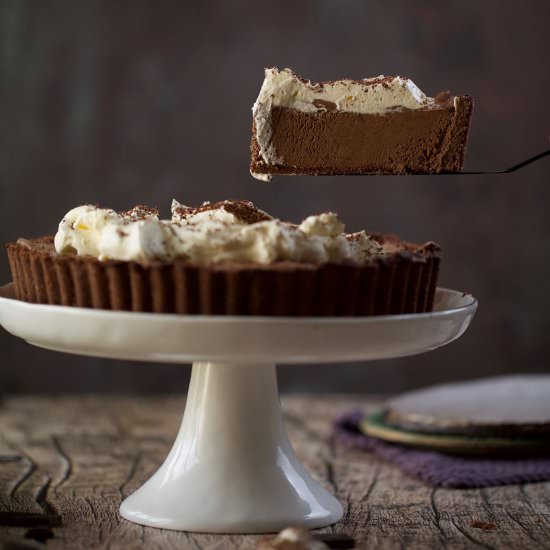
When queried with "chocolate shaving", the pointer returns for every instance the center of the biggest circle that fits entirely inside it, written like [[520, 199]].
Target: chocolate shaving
[[322, 104], [245, 211], [443, 98], [353, 237]]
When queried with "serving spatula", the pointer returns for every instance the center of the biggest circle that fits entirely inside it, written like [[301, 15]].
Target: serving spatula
[[503, 171]]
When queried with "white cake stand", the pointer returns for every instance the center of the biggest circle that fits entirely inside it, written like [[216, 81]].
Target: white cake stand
[[232, 468]]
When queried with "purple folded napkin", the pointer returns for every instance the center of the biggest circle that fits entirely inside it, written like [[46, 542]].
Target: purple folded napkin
[[438, 469]]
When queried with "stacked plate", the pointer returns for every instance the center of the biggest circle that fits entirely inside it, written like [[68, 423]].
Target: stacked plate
[[494, 416]]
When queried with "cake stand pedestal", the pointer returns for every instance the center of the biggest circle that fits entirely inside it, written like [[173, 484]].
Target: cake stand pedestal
[[232, 468]]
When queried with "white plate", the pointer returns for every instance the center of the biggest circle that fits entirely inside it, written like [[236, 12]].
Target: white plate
[[185, 338]]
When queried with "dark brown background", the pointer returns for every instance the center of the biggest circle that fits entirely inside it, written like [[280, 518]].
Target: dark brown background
[[119, 103]]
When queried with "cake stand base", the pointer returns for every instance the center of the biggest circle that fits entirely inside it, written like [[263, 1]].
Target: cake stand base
[[232, 468]]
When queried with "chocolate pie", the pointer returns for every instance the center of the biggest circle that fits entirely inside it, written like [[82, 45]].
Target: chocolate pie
[[225, 258]]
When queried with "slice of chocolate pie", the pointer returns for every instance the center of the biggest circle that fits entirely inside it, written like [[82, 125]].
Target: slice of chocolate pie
[[382, 125]]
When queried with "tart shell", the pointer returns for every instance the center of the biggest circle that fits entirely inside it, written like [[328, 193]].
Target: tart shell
[[404, 280]]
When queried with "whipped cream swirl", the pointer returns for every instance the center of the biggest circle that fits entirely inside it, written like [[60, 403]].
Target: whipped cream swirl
[[227, 231]]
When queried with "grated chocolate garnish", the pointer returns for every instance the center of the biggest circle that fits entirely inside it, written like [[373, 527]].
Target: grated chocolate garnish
[[245, 211], [140, 212]]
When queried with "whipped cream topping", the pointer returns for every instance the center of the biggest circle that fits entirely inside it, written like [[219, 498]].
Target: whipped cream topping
[[227, 231], [369, 96]]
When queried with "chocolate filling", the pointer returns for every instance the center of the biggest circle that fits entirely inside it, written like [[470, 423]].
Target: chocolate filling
[[404, 141]]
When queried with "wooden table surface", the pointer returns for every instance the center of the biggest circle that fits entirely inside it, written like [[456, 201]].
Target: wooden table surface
[[67, 463]]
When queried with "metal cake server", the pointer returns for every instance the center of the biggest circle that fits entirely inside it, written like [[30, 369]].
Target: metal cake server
[[514, 168], [503, 171]]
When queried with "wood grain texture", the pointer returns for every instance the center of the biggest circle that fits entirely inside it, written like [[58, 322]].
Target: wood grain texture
[[67, 462]]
